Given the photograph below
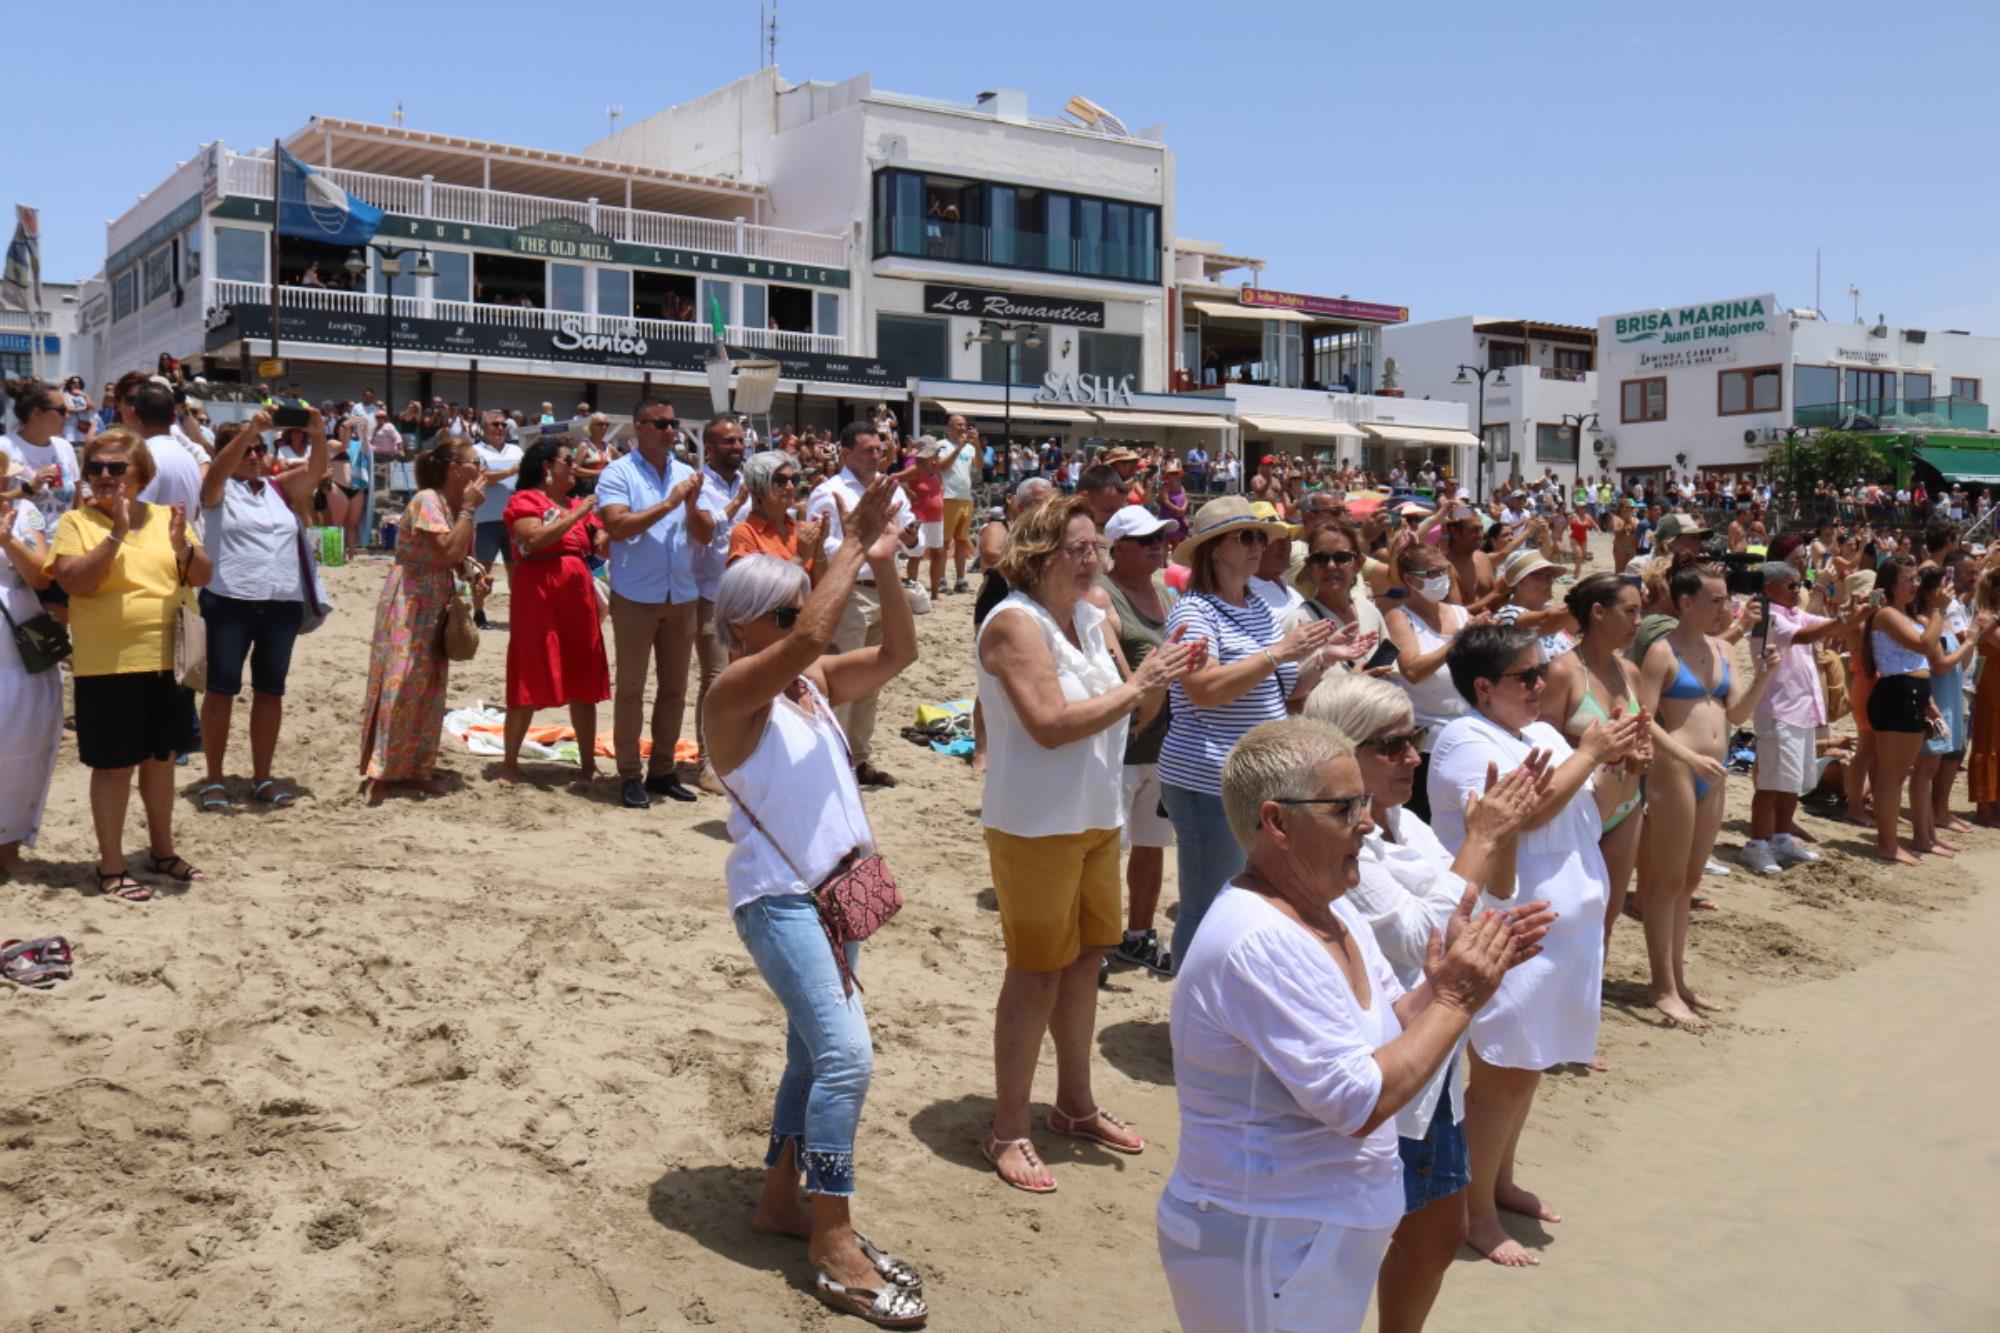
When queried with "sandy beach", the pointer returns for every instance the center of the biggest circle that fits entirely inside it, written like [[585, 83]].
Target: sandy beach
[[498, 1061]]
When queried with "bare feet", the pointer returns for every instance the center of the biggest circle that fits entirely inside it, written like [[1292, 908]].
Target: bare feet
[[1491, 1240], [1679, 1014], [1943, 848], [1525, 1202], [509, 774], [1696, 1000], [1901, 856], [1957, 825], [377, 789], [978, 765], [791, 1220]]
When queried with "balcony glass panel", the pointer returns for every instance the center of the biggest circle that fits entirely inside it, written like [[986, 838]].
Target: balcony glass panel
[[614, 292], [566, 286]]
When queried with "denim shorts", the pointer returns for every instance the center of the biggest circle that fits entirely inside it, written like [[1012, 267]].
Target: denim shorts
[[236, 628], [1435, 1166]]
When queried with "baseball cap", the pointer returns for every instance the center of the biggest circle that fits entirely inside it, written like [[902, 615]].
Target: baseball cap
[[1679, 525], [1523, 563], [1267, 511], [1133, 521]]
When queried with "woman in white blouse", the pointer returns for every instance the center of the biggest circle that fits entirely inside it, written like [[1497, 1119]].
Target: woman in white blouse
[[1057, 698], [31, 702], [1295, 1045], [1410, 886], [1546, 1014]]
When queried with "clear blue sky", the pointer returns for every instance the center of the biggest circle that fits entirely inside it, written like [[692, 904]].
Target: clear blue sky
[[1551, 161]]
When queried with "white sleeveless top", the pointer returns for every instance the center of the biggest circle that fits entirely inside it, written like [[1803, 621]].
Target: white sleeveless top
[[1034, 792], [801, 785], [1434, 700]]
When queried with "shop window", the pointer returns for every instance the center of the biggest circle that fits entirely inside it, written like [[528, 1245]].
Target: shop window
[[1815, 386], [1643, 400], [1759, 389], [239, 254], [914, 344], [614, 293], [1550, 444], [1113, 354], [1966, 389]]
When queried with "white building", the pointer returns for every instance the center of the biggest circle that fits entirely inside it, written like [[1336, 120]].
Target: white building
[[43, 342], [1709, 386], [1537, 405], [557, 277], [959, 215]]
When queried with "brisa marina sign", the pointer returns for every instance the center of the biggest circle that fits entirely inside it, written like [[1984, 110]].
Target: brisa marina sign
[[1716, 320]]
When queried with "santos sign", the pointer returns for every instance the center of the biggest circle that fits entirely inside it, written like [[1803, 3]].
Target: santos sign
[[1716, 321]]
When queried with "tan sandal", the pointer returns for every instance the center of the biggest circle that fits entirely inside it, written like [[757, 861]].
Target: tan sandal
[[1085, 1127], [992, 1149]]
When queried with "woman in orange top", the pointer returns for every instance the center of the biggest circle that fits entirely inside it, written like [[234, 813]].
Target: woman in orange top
[[769, 528]]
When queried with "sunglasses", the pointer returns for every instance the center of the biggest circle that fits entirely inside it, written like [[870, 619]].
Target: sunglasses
[[97, 467], [1150, 539], [1346, 809], [1397, 745], [258, 448], [785, 479], [1254, 537], [785, 617], [658, 423], [1528, 676], [1321, 559]]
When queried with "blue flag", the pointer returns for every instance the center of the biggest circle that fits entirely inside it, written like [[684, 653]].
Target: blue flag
[[312, 206]]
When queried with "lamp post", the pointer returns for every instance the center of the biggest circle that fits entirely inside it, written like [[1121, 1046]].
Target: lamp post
[[391, 268], [1499, 382], [1010, 334], [1574, 426]]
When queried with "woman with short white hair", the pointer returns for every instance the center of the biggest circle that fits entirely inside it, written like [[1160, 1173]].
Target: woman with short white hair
[[796, 823], [770, 528], [1295, 1045]]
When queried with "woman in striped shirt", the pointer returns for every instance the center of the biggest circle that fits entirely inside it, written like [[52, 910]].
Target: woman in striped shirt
[[1247, 673]]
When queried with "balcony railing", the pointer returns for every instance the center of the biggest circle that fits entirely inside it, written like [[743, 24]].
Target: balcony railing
[[1942, 413], [369, 304], [970, 243], [251, 177]]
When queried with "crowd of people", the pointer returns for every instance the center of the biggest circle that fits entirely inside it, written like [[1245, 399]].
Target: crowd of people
[[1416, 757]]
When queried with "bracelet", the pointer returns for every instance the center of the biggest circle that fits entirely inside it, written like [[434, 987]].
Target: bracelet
[[463, 513], [1272, 660]]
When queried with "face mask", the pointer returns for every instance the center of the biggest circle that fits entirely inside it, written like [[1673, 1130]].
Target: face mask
[[1436, 589]]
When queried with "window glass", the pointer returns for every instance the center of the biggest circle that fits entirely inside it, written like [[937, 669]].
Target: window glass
[[1004, 224], [1766, 393], [1090, 236], [826, 313], [906, 223], [566, 286], [1735, 392], [454, 275], [406, 282], [914, 343], [1916, 387], [1117, 240], [1656, 400], [1108, 354], [714, 294], [159, 269], [125, 294], [1146, 244], [614, 292], [1965, 388], [1551, 447], [239, 254], [1496, 443], [756, 307], [1500, 354], [1030, 363], [190, 254], [1059, 253], [1815, 386]]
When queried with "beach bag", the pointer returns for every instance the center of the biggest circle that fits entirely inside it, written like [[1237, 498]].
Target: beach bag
[[317, 607], [330, 544], [458, 637], [41, 639], [854, 902], [190, 644]]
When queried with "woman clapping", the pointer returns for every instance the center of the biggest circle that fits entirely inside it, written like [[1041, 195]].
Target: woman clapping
[[796, 819], [555, 645]]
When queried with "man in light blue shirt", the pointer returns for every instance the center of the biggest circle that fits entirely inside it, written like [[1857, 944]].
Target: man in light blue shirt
[[651, 507]]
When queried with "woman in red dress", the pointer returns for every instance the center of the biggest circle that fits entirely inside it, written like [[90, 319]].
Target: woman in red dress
[[555, 647]]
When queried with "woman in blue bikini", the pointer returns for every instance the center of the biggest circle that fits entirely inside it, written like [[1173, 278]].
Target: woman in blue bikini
[[1695, 700], [1593, 684]]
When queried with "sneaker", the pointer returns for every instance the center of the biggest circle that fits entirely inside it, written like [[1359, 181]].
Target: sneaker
[[961, 586], [1141, 948], [1790, 851], [670, 786], [1715, 867], [1759, 857], [633, 793]]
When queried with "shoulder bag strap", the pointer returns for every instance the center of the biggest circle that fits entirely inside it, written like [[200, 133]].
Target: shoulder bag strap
[[758, 824]]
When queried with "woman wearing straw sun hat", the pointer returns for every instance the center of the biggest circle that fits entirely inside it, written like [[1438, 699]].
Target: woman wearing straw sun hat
[[1246, 672]]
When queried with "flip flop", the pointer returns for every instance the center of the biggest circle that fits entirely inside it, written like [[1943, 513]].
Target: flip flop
[[992, 1149], [39, 964], [1085, 1127]]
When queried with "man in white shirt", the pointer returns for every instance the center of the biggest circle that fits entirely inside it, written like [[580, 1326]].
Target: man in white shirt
[[958, 465], [579, 425], [861, 622], [176, 472], [500, 458], [724, 493]]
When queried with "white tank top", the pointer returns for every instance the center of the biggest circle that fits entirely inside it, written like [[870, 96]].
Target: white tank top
[[801, 785], [1035, 792], [1434, 700]]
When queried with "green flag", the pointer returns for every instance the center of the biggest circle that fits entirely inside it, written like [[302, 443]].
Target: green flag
[[715, 320]]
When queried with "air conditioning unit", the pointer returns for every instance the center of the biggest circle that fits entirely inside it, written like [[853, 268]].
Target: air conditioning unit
[[1604, 446], [1750, 436], [1914, 335]]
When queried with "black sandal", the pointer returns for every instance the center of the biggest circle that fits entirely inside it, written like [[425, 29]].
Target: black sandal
[[119, 886], [175, 869]]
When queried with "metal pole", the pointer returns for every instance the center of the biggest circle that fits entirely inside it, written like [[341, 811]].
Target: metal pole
[[388, 337], [1007, 409], [275, 207], [1479, 456]]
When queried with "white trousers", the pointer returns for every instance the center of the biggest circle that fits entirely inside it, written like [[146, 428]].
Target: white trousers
[[1229, 1272]]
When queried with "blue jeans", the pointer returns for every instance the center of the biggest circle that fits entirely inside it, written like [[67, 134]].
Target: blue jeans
[[828, 1053], [1209, 857]]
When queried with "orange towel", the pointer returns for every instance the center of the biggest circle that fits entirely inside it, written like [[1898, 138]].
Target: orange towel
[[685, 751]]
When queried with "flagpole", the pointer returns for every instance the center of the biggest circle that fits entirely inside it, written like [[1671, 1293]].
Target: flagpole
[[276, 209]]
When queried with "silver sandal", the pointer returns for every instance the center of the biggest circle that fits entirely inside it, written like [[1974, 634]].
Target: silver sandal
[[890, 1266], [891, 1307]]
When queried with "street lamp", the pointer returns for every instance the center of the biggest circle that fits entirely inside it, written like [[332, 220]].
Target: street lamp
[[391, 268], [1499, 374], [1009, 334], [1574, 426]]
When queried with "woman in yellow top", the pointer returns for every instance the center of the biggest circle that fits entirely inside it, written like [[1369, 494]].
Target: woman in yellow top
[[123, 563]]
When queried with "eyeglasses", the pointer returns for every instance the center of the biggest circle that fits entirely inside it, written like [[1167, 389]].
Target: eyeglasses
[[1081, 550], [1254, 537], [1528, 676], [785, 617], [1399, 744], [1346, 809], [98, 467], [1321, 559]]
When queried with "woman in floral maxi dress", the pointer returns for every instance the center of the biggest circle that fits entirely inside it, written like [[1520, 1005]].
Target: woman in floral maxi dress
[[408, 673]]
